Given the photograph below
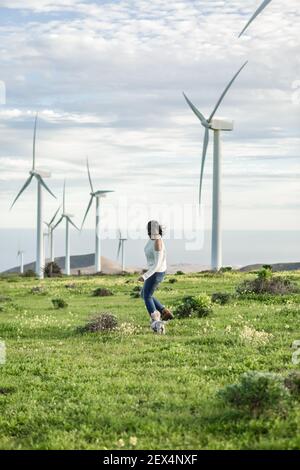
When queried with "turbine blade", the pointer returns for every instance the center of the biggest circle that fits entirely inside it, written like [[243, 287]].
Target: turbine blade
[[225, 91], [257, 12], [204, 152], [72, 223], [42, 182], [53, 218], [196, 111], [87, 211], [89, 175], [34, 142], [57, 224], [119, 249], [27, 183]]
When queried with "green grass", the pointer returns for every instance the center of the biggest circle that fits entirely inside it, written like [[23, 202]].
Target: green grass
[[63, 390]]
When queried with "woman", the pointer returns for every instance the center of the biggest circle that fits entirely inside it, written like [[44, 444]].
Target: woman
[[155, 252]]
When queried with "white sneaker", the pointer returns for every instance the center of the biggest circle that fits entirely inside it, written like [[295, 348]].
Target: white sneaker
[[155, 316]]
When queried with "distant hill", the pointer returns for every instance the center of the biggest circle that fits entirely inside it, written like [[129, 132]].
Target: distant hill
[[276, 267], [84, 263]]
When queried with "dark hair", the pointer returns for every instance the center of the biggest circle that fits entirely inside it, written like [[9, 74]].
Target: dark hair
[[154, 228]]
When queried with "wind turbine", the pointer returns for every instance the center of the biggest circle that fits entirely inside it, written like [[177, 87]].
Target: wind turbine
[[21, 257], [68, 221], [121, 249], [257, 12], [216, 125], [50, 235], [39, 176], [98, 195]]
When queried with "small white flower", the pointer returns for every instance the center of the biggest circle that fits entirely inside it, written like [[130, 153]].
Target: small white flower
[[133, 441], [121, 443]]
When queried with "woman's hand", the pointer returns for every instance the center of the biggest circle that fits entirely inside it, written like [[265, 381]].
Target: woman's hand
[[141, 279]]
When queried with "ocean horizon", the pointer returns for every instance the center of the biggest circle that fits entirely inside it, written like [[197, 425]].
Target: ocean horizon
[[240, 248]]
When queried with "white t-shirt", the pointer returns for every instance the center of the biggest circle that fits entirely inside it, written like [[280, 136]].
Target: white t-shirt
[[156, 260]]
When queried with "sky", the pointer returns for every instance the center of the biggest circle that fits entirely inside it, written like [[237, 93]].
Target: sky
[[107, 78]]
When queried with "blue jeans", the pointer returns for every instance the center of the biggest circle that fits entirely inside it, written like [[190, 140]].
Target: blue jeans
[[150, 285]]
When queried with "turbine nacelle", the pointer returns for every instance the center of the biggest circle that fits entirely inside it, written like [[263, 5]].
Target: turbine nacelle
[[219, 124], [101, 193], [42, 173]]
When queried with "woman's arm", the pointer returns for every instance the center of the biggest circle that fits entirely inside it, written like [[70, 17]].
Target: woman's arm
[[158, 247]]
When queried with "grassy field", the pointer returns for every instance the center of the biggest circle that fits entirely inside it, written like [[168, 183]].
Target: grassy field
[[130, 388]]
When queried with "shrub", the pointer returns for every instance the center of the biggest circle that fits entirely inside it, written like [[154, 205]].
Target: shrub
[[38, 290], [266, 283], [209, 273], [13, 279], [226, 269], [221, 298], [256, 392], [7, 390], [268, 266], [102, 322], [70, 286], [137, 289], [29, 273], [172, 280], [52, 270], [179, 273], [250, 335], [135, 295], [102, 292], [59, 303], [264, 274], [136, 292], [198, 306], [292, 382]]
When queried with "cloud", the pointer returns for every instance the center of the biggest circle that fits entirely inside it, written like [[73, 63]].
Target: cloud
[[40, 5], [107, 77]]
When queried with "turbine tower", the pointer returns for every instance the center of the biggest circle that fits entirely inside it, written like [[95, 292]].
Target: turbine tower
[[257, 12], [50, 235], [68, 221], [21, 257], [121, 249], [45, 235], [98, 195], [216, 125], [39, 176]]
